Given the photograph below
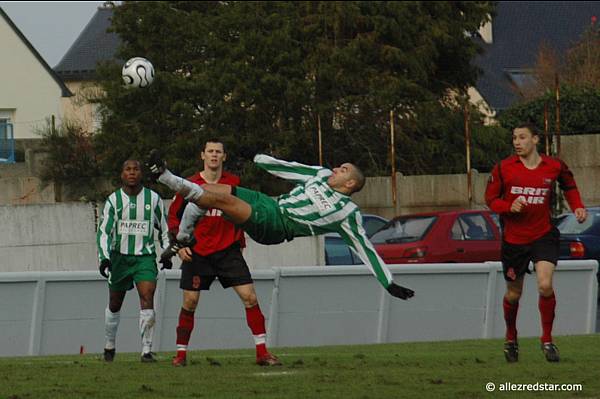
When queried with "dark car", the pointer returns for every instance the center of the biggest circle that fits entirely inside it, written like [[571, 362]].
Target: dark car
[[580, 240], [337, 252], [440, 237]]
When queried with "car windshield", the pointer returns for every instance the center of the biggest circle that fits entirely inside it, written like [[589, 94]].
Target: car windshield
[[402, 230], [570, 225], [373, 223]]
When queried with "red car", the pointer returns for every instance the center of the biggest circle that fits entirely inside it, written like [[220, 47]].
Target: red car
[[440, 237]]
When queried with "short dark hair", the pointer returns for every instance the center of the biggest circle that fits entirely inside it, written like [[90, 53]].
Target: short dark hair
[[359, 178], [131, 160], [214, 140], [529, 126]]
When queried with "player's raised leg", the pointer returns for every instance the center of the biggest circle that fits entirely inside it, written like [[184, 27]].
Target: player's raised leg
[[237, 211]]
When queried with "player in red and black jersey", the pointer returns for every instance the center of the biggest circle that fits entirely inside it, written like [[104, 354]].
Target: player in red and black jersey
[[215, 252], [520, 191]]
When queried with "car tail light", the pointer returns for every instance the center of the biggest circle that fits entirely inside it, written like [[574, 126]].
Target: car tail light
[[577, 249], [415, 252]]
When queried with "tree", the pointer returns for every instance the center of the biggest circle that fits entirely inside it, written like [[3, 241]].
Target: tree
[[579, 66], [259, 74], [578, 111], [71, 161]]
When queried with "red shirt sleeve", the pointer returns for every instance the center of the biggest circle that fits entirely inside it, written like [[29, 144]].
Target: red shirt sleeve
[[175, 213], [494, 191], [236, 182], [566, 182]]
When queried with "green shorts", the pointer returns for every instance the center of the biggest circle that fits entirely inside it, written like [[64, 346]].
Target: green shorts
[[129, 268], [267, 225]]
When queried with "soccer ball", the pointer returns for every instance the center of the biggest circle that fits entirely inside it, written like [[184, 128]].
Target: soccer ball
[[138, 72]]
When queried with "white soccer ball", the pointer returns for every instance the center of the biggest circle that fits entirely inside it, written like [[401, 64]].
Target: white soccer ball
[[138, 72]]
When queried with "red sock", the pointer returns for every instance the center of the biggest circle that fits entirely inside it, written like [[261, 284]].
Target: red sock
[[547, 306], [184, 331], [510, 317], [256, 322]]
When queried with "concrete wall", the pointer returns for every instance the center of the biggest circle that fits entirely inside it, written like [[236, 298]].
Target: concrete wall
[[58, 312], [441, 192], [62, 236], [415, 193], [47, 237], [25, 190], [27, 88]]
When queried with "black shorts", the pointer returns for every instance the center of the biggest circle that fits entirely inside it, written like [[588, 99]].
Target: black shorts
[[228, 265], [516, 258]]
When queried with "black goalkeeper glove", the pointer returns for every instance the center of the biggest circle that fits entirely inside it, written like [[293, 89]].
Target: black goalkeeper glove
[[105, 267], [399, 291], [166, 264]]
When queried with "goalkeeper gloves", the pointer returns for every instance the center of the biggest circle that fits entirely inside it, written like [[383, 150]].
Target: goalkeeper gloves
[[105, 267]]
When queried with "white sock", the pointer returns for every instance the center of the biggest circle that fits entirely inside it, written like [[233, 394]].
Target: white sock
[[190, 191], [260, 339], [190, 217], [147, 329], [111, 324]]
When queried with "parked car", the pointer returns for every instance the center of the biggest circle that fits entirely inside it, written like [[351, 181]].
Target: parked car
[[580, 240], [440, 237], [337, 252]]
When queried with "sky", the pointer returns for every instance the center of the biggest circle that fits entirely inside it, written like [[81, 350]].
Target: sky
[[51, 27]]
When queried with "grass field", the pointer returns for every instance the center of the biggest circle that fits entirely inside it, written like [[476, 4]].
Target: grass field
[[457, 369]]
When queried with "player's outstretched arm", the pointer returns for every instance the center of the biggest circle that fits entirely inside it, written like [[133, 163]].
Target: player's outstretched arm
[[293, 171], [355, 236]]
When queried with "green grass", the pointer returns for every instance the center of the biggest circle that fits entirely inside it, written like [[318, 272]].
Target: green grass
[[456, 369]]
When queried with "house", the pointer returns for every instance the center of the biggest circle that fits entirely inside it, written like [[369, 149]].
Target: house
[[77, 68], [30, 95], [513, 39], [31, 91]]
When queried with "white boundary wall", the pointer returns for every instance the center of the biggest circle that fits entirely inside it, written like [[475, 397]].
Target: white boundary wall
[[45, 313], [62, 237]]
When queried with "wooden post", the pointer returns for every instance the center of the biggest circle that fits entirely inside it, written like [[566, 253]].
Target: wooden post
[[320, 140], [558, 196], [393, 160], [557, 86], [467, 118], [546, 136]]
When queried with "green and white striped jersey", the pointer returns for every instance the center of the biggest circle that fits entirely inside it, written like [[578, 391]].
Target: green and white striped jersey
[[314, 208], [128, 223]]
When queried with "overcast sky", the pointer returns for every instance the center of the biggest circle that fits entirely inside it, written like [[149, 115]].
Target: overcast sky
[[51, 27]]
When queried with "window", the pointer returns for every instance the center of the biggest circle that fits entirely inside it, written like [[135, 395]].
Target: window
[[372, 224], [457, 231], [337, 252], [404, 230], [472, 226], [570, 225]]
